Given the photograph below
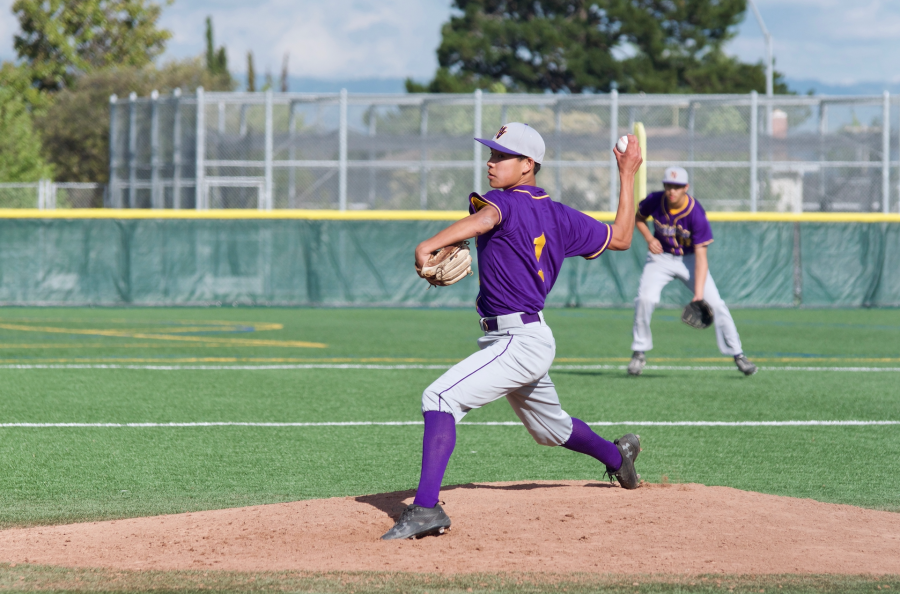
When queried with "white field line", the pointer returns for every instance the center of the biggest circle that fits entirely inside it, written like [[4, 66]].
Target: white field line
[[847, 423], [301, 366]]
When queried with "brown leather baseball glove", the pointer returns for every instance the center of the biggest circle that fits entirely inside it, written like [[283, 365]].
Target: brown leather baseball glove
[[448, 265]]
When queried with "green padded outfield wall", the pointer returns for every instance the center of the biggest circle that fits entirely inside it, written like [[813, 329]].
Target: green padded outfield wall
[[282, 261]]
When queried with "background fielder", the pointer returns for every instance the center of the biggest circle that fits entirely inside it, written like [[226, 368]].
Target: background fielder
[[523, 236], [678, 248]]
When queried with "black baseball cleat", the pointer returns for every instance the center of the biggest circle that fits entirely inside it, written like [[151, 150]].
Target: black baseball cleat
[[417, 521], [636, 366], [744, 364], [629, 446]]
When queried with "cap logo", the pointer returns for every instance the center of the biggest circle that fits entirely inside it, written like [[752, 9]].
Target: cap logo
[[674, 174], [500, 133]]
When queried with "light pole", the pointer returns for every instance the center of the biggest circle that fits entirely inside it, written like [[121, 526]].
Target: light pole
[[770, 66]]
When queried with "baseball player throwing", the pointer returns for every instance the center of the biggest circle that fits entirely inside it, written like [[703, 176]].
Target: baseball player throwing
[[678, 248], [522, 237]]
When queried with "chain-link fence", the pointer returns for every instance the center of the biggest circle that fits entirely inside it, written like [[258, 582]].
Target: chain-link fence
[[49, 195], [342, 151]]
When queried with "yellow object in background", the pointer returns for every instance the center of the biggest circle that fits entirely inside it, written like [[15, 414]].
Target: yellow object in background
[[640, 178]]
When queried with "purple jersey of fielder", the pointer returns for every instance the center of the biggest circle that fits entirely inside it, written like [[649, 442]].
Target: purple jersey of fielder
[[681, 231], [519, 259]]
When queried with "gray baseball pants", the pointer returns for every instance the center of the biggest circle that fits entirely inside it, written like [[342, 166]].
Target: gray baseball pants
[[659, 271], [513, 362]]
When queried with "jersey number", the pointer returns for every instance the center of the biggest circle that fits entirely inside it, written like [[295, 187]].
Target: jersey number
[[539, 243]]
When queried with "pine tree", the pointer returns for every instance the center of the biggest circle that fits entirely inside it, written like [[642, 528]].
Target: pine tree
[[216, 59], [572, 46], [251, 73]]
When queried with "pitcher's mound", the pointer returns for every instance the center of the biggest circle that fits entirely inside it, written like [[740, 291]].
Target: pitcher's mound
[[558, 527]]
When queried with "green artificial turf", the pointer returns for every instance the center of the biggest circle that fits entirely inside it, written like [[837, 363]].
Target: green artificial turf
[[52, 475]]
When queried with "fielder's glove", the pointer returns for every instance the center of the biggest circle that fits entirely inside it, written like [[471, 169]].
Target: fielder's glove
[[448, 265], [697, 314]]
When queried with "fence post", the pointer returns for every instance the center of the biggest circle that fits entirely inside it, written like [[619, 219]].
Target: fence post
[[557, 137], [292, 173], [692, 121], [823, 130], [754, 149], [41, 199], [342, 154], [114, 194], [155, 193], [476, 152], [423, 155], [270, 150], [132, 148], [51, 195], [886, 154], [200, 166], [176, 149], [613, 138], [373, 125]]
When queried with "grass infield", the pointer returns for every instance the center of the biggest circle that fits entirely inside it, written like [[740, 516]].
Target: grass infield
[[37, 578]]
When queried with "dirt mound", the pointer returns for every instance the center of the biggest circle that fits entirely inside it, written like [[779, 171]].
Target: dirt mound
[[537, 527]]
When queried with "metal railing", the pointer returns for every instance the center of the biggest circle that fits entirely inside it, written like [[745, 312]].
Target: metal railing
[[48, 195], [353, 151]]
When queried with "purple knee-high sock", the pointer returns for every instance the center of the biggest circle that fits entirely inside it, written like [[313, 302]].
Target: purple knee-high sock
[[437, 445], [585, 441]]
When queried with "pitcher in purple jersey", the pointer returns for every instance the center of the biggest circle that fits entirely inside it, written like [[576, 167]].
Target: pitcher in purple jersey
[[522, 237], [678, 245]]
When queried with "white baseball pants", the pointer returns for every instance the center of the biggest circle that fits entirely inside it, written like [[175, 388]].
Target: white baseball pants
[[513, 362], [659, 271]]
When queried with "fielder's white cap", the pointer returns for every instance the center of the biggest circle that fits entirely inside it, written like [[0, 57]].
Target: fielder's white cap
[[676, 176], [517, 139]]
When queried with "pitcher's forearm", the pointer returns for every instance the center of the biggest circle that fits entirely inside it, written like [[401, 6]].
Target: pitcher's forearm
[[623, 226], [625, 212]]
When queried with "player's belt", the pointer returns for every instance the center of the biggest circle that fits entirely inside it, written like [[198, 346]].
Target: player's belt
[[491, 324]]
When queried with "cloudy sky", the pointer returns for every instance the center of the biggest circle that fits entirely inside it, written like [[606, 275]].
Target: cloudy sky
[[829, 40]]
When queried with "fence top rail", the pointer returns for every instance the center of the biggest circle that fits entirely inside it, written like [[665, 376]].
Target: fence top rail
[[534, 99], [404, 215]]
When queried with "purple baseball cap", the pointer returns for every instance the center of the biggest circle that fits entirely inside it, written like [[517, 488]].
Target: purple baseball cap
[[517, 139]]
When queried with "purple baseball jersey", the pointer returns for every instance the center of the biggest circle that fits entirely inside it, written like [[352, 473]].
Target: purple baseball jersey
[[678, 232], [520, 258]]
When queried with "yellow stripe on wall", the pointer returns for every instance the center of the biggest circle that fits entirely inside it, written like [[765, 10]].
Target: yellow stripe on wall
[[406, 215]]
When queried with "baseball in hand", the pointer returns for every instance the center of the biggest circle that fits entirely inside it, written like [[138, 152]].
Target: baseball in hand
[[622, 144]]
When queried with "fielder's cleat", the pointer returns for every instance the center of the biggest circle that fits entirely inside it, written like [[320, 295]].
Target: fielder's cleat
[[638, 360], [744, 365], [417, 521], [629, 446]]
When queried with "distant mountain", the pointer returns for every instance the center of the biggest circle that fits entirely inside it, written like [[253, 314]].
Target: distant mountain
[[804, 85]]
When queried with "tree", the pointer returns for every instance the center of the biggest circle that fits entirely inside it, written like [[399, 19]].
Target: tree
[[18, 77], [61, 39], [216, 59], [284, 72], [671, 46], [679, 48], [251, 73], [555, 45], [20, 145], [75, 128]]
